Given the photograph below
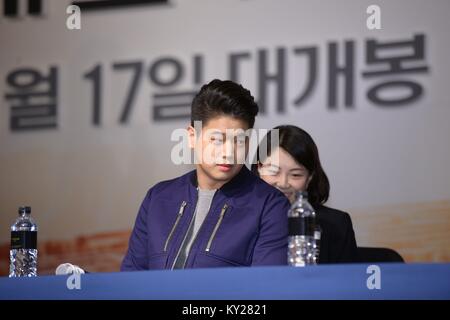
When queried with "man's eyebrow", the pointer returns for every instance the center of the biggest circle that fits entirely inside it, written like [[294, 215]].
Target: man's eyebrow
[[233, 133], [239, 135], [217, 131]]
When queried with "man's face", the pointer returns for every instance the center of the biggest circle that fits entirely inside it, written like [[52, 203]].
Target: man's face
[[220, 149]]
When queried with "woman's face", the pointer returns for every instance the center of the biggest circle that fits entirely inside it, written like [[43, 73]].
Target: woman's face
[[288, 175]]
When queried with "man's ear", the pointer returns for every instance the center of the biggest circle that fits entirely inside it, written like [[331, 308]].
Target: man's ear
[[191, 136]]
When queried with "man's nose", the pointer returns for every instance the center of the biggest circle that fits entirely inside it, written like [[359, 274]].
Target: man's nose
[[227, 150]]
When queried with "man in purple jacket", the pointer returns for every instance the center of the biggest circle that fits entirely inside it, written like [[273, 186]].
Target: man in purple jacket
[[220, 214]]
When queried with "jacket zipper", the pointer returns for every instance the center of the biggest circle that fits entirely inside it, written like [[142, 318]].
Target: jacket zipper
[[222, 213], [184, 239], [179, 215]]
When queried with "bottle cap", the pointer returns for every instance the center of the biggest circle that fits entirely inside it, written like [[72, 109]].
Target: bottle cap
[[26, 210], [304, 194]]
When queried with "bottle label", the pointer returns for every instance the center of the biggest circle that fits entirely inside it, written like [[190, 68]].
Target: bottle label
[[301, 226], [23, 240]]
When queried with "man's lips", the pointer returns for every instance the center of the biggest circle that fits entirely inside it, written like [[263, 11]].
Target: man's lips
[[224, 167]]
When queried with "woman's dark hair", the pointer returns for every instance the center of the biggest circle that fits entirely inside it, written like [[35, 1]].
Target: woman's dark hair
[[224, 98], [299, 144]]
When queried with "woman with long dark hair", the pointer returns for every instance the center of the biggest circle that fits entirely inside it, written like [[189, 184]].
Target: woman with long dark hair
[[298, 168]]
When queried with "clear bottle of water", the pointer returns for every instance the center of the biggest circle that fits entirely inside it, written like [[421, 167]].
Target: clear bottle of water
[[23, 253], [302, 225]]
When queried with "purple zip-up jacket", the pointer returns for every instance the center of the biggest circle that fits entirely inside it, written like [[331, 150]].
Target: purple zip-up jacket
[[246, 225]]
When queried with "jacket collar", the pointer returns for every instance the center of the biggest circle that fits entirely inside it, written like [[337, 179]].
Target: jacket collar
[[236, 183]]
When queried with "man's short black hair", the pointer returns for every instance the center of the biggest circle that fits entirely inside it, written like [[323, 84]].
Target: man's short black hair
[[224, 98]]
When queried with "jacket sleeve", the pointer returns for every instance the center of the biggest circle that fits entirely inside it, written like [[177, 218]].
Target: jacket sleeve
[[271, 244], [136, 257]]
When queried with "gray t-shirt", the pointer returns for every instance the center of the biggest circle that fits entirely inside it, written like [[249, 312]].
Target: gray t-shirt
[[204, 201]]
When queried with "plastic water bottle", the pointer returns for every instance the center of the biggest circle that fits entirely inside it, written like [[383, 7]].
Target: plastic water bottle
[[302, 225], [23, 252]]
